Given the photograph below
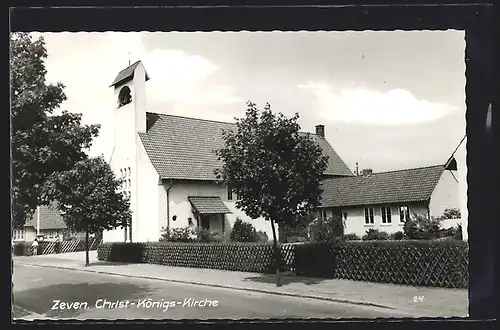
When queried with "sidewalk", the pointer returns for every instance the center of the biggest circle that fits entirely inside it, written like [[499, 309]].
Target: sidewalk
[[430, 302]]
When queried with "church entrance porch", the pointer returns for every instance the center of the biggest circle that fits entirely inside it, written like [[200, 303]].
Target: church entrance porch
[[209, 212]]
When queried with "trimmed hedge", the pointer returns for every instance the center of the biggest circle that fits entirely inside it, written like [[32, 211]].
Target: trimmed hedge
[[440, 263], [245, 257], [314, 260]]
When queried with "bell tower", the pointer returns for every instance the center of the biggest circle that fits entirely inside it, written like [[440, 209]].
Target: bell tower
[[129, 118]]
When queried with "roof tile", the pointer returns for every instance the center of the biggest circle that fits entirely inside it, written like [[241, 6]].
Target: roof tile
[[50, 218], [184, 148], [208, 204], [127, 74], [409, 185]]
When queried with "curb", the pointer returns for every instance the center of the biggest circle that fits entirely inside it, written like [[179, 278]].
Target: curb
[[297, 295]]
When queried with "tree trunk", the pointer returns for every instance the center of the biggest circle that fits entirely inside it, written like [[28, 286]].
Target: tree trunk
[[282, 233], [87, 262], [277, 255]]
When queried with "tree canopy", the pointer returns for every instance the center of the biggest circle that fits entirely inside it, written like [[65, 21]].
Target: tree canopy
[[43, 142], [275, 170], [88, 196]]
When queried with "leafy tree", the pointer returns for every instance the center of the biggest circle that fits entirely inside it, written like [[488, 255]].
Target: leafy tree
[[42, 142], [452, 213], [274, 169], [89, 199]]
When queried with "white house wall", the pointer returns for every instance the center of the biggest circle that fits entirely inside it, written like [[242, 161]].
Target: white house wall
[[181, 207], [445, 195], [355, 222]]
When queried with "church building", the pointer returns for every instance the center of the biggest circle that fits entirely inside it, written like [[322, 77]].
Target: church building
[[168, 162]]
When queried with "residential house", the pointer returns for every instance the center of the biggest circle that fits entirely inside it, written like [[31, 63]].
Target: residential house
[[168, 162], [46, 223], [385, 200]]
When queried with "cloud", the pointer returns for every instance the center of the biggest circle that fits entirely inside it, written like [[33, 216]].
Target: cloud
[[363, 105], [87, 63]]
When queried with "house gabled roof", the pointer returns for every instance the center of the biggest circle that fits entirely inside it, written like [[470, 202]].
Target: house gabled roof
[[127, 74], [401, 186], [184, 148], [50, 218], [451, 163]]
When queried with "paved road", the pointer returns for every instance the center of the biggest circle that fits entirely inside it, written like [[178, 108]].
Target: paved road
[[37, 289]]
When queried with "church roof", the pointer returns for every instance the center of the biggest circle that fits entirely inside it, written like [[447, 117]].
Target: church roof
[[184, 148], [127, 74]]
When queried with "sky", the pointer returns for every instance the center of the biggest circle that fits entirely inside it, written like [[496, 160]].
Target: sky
[[388, 100]]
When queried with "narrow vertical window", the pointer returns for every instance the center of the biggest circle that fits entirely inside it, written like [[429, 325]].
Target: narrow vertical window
[[229, 192]]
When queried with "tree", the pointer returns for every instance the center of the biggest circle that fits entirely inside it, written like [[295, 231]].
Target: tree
[[452, 213], [89, 199], [274, 169], [42, 142]]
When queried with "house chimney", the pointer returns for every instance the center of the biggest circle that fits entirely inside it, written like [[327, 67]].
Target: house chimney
[[366, 171], [320, 130]]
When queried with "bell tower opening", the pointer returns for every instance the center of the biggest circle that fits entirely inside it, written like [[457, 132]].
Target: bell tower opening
[[124, 96]]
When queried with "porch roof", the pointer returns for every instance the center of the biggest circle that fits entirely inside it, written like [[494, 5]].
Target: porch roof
[[208, 204]]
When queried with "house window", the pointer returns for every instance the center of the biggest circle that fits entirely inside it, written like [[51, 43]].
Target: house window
[[322, 214], [18, 235], [369, 219], [404, 213], [386, 214], [229, 192]]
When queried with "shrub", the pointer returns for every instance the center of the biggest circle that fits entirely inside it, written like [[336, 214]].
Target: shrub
[[326, 229], [296, 239], [22, 248], [452, 232], [452, 213], [243, 232], [421, 227], [375, 235], [262, 237], [206, 236], [121, 252], [183, 234], [399, 235], [351, 237]]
